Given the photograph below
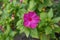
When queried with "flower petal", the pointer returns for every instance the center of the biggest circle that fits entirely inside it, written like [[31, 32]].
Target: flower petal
[[33, 25], [27, 24], [25, 16], [31, 20], [32, 14]]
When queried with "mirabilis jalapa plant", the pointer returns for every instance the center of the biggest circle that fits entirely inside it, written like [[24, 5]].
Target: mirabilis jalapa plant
[[29, 17]]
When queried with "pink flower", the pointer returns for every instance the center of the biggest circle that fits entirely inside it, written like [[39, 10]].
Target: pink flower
[[11, 0], [31, 20], [21, 1], [0, 27]]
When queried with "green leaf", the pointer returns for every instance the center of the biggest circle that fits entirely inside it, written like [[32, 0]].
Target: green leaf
[[0, 12], [26, 31], [14, 3], [21, 30], [25, 1], [48, 30], [43, 37], [31, 5], [40, 7], [52, 35], [20, 26], [20, 13], [7, 30], [19, 23], [41, 23], [50, 13], [42, 1], [7, 38], [34, 33], [48, 2], [44, 4], [57, 30], [12, 33], [43, 16], [56, 20], [56, 26]]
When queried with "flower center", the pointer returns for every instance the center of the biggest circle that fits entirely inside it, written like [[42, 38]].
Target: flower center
[[30, 19]]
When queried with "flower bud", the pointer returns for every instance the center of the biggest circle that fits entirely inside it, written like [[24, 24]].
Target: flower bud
[[1, 28], [12, 17], [21, 1], [11, 0]]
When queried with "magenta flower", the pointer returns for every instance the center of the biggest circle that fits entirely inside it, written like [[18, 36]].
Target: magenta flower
[[31, 20]]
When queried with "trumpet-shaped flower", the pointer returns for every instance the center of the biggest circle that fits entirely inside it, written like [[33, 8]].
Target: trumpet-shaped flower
[[31, 20]]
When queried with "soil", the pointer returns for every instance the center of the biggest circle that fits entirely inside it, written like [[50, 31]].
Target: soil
[[23, 37]]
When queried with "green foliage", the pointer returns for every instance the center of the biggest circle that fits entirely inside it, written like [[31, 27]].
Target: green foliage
[[50, 13], [56, 20], [32, 5], [11, 17], [43, 16], [43, 36], [48, 30], [34, 33], [48, 24]]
